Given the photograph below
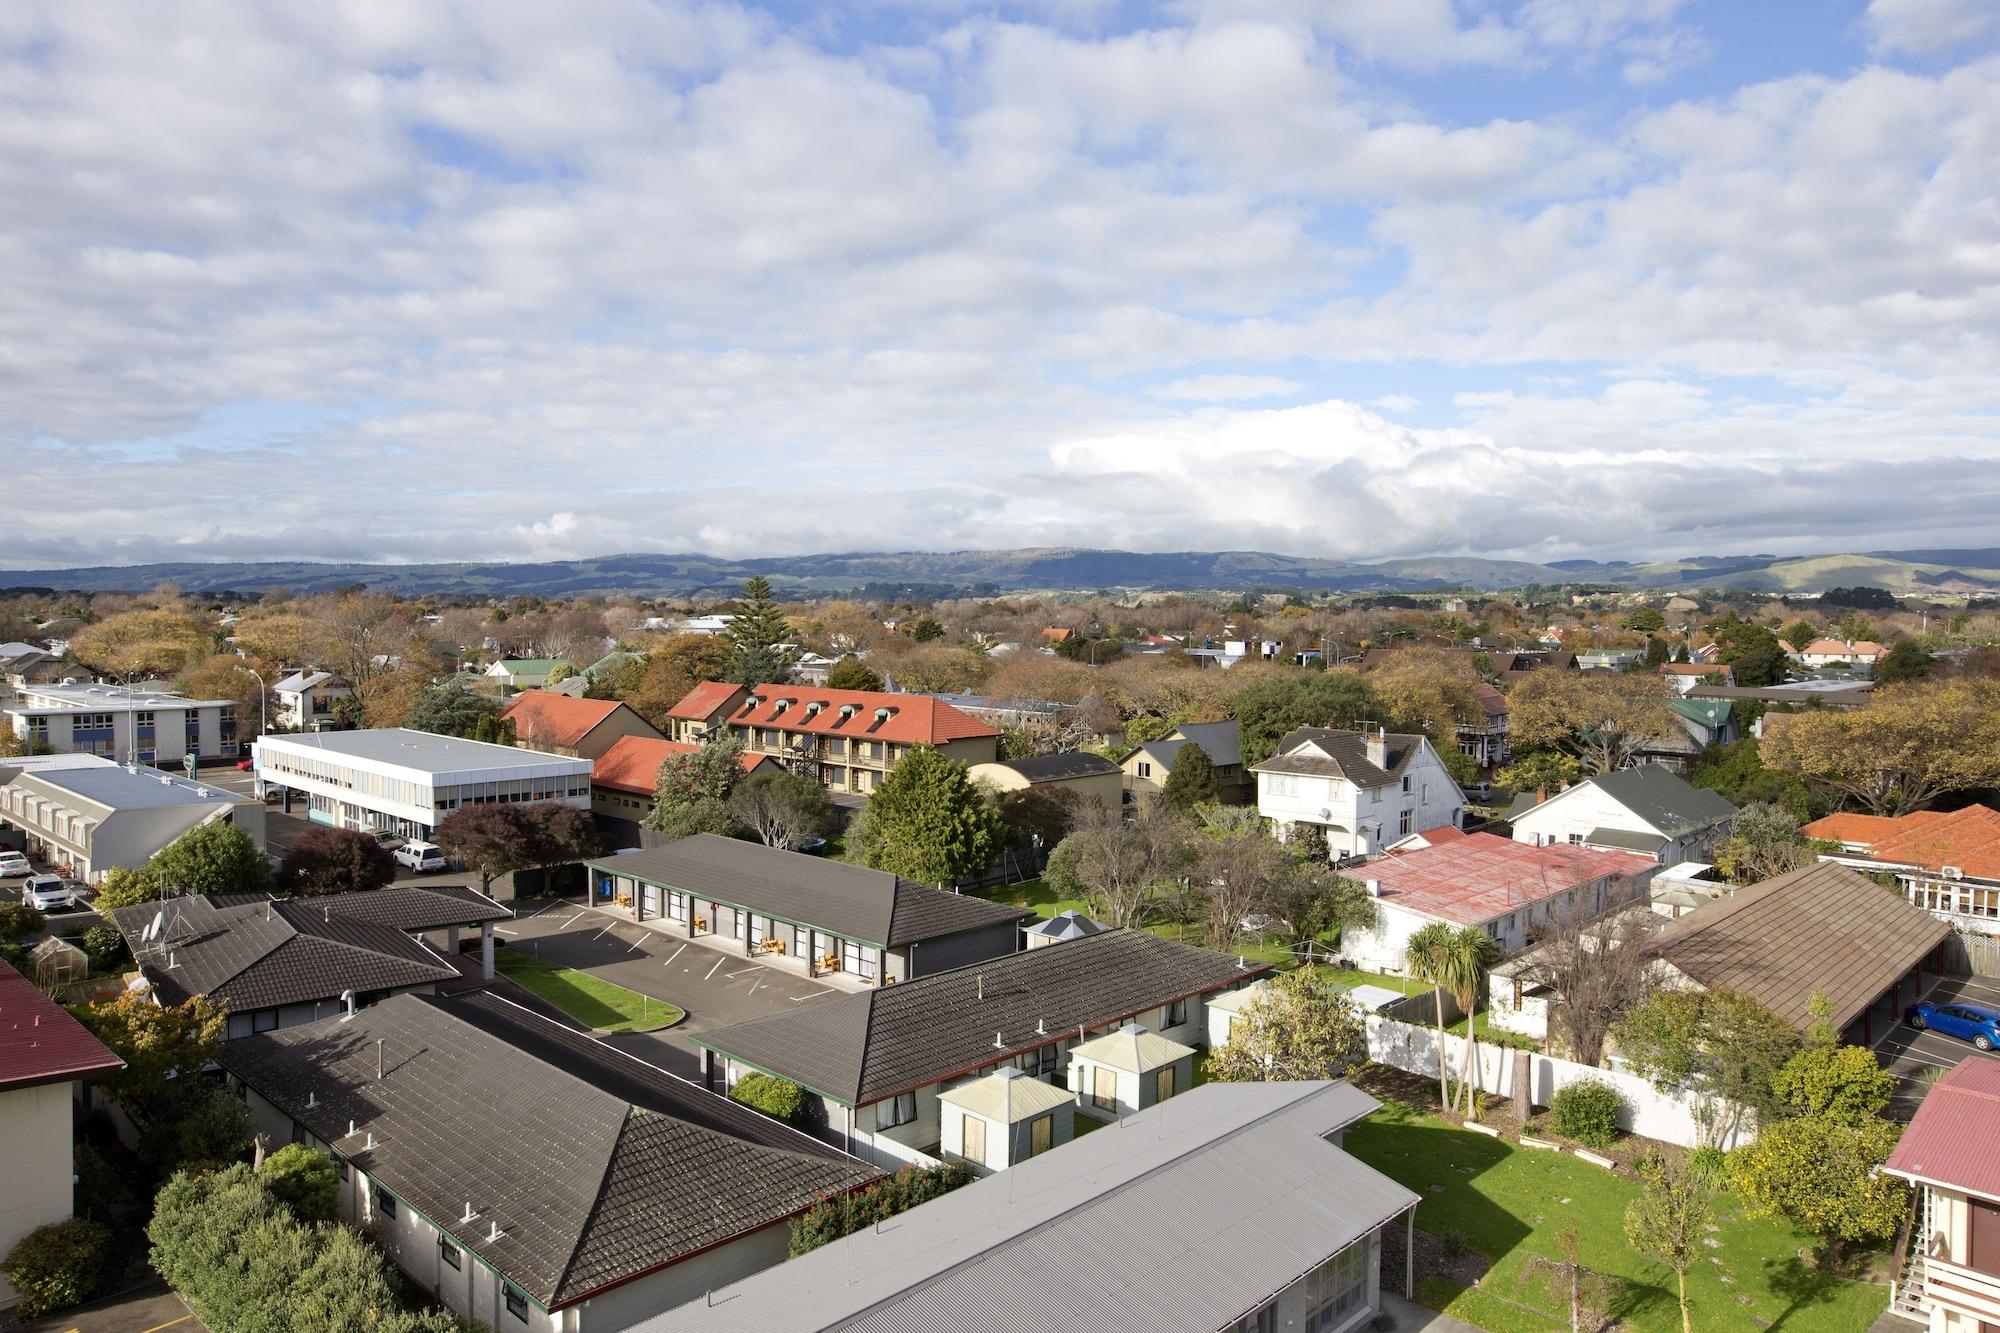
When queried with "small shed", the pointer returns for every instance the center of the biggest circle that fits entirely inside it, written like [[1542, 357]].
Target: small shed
[[56, 962], [1128, 1070], [1062, 927], [1224, 1008], [1004, 1118]]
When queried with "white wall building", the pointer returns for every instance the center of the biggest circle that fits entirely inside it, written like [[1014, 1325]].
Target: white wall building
[[1366, 789], [1648, 809], [89, 815], [406, 781], [305, 699], [126, 724]]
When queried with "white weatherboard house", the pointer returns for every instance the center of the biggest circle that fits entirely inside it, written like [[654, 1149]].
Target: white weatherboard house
[[406, 781], [305, 699], [1005, 1117], [1647, 809], [1366, 789]]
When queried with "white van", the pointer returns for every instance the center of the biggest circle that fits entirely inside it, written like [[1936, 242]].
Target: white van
[[422, 857]]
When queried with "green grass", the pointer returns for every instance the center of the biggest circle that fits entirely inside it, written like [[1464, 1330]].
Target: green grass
[[591, 1001], [1490, 1035], [1510, 1204], [1087, 1124]]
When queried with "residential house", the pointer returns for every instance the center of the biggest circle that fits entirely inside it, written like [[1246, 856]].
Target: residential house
[[1684, 676], [524, 673], [1005, 713], [405, 781], [1061, 928], [580, 728], [1818, 931], [1945, 862], [1698, 724], [304, 699], [277, 963], [1946, 1269], [1485, 740], [1147, 767], [116, 722], [87, 815], [848, 740], [1089, 778], [1610, 659], [1231, 1207], [526, 1176], [1508, 889], [1364, 788], [624, 778], [704, 625], [812, 668], [1839, 652], [1647, 809], [808, 914], [876, 1062]]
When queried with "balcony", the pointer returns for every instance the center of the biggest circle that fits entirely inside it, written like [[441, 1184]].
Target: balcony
[[1965, 1291]]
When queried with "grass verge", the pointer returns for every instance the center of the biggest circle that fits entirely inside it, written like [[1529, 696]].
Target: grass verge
[[598, 1004]]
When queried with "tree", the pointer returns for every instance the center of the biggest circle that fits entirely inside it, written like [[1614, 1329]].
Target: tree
[[448, 708], [1299, 1027], [1115, 865], [1427, 956], [673, 667], [754, 635], [1191, 781], [142, 643], [1541, 770], [215, 857], [1239, 871], [334, 860], [1764, 841], [1428, 690], [691, 794], [1589, 1291], [1037, 817], [1468, 956], [1597, 971], [158, 1043], [1670, 1221], [496, 840], [1738, 772], [1753, 653], [1646, 621], [1799, 633], [1825, 1176], [1718, 1048], [926, 629], [127, 886], [1911, 745], [1268, 708], [305, 1180], [1603, 720], [1838, 1084], [783, 809], [194, 1125], [850, 673], [362, 634], [1904, 661], [928, 822]]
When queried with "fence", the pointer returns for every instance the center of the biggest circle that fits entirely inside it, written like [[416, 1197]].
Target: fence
[[1413, 1048], [1968, 955]]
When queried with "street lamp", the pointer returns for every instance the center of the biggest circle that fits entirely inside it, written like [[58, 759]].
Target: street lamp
[[263, 723]]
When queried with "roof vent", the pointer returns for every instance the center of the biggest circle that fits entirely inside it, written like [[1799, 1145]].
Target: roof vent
[[998, 1043], [780, 706], [469, 1214], [494, 1232], [884, 714], [849, 710]]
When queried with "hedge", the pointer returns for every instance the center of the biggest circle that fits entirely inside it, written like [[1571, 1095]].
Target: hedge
[[57, 1266], [1587, 1112], [834, 1218], [779, 1098]]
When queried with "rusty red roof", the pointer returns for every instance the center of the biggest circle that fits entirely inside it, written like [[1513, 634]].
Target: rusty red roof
[[1476, 878], [1950, 1139], [870, 715], [701, 703], [633, 763], [1968, 840], [545, 717], [40, 1042]]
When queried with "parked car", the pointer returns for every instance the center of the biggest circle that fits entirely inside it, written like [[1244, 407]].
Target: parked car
[[1481, 792], [1968, 1022], [387, 839], [422, 857], [49, 893], [245, 765], [13, 863]]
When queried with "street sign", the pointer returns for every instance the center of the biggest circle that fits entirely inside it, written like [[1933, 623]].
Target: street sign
[[187, 762]]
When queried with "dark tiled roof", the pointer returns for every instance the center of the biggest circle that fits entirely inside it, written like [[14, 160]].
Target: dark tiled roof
[[862, 904], [1056, 767], [594, 1166], [863, 1047], [415, 906], [1222, 740], [1660, 797], [40, 1042], [1820, 929], [1347, 756]]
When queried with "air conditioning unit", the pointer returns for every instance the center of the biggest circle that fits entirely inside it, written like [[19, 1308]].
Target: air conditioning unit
[[1952, 872]]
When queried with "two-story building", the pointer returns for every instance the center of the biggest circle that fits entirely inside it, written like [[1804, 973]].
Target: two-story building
[[1485, 738], [1648, 809], [1148, 766], [303, 700], [580, 728], [1365, 789], [846, 740], [1947, 1265], [140, 726], [625, 777], [87, 815], [1946, 862]]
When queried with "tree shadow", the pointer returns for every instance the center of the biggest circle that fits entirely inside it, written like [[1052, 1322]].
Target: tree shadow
[[1802, 1285]]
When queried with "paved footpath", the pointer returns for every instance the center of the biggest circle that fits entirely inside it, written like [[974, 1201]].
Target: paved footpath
[[148, 1309]]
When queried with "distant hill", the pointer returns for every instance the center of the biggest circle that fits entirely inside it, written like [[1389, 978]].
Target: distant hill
[[939, 573]]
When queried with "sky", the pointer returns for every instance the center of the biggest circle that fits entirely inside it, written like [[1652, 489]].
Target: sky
[[493, 280]]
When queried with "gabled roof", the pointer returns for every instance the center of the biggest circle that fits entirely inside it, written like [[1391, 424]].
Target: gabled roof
[[1819, 929], [1840, 648], [1198, 1210], [40, 1042], [868, 905], [1656, 795], [633, 763], [300, 681], [1950, 1139], [1059, 767], [1332, 752], [547, 717], [1866, 830], [1222, 740], [870, 715], [863, 1047], [1491, 701], [1476, 878], [1967, 840], [529, 666], [595, 1167], [700, 703]]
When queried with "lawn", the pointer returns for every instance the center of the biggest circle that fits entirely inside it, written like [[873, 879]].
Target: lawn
[[591, 1001], [1510, 1203]]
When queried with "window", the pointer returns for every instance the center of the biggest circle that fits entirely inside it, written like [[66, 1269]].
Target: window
[[1260, 1321], [1375, 795], [1403, 822], [1041, 1135], [1334, 1289], [345, 1169], [385, 1203], [517, 1302], [1145, 769], [264, 1020], [898, 1110], [1103, 1088], [448, 1252], [1163, 1083], [1040, 1062], [1575, 838], [1176, 1014], [973, 1139], [1406, 786]]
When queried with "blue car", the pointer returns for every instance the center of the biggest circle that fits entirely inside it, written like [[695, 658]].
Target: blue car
[[1967, 1022]]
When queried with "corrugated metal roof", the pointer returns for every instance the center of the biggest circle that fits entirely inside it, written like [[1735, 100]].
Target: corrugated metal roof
[[1132, 1049], [40, 1042], [1008, 1096], [1179, 1220], [1950, 1139]]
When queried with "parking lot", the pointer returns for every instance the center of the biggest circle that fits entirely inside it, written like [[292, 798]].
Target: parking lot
[[1907, 1052]]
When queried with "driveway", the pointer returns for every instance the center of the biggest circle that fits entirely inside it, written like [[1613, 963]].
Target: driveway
[[148, 1309], [1907, 1052]]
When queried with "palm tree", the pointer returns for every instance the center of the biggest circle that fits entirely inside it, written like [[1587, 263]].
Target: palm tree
[[1469, 955], [1428, 957]]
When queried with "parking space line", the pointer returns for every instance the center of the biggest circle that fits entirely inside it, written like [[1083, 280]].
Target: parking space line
[[169, 1324], [508, 934], [754, 985], [676, 954], [754, 967], [711, 971], [573, 920], [813, 995]]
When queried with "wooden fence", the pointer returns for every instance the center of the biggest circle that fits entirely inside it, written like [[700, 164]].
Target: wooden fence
[[1968, 955]]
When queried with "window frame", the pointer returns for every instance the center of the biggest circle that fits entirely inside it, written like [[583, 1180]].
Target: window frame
[[385, 1203], [512, 1296], [895, 1111], [449, 1253]]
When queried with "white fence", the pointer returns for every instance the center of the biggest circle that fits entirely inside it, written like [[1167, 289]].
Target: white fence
[[1408, 1047]]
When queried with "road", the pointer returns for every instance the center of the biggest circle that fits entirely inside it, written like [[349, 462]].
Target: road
[[148, 1309]]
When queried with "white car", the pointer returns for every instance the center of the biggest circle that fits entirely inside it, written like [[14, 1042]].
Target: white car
[[13, 863], [422, 857], [46, 893]]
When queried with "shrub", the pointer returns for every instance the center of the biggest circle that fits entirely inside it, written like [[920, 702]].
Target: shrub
[[18, 921], [305, 1180], [1710, 1165], [909, 1187], [104, 946], [1587, 1112], [779, 1098], [57, 1266], [195, 1127]]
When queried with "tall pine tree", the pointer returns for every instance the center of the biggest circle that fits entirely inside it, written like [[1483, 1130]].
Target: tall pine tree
[[757, 627]]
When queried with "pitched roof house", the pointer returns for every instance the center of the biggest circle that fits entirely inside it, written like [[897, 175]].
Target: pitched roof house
[[511, 1165], [1945, 862], [1148, 766], [624, 778], [579, 728], [1365, 789], [525, 673], [1648, 809], [1947, 1266]]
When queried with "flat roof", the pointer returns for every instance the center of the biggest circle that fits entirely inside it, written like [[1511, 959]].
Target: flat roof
[[113, 698], [147, 789], [419, 751]]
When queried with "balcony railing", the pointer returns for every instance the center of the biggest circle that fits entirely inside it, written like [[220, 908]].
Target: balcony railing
[[1956, 1287]]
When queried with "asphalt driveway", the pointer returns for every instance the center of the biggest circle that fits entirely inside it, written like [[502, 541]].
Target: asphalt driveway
[[148, 1309], [1908, 1052]]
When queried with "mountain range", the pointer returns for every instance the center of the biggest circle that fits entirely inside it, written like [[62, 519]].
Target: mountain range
[[1042, 569]]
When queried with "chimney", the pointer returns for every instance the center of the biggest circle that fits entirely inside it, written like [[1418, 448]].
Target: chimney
[[1377, 744], [1374, 887]]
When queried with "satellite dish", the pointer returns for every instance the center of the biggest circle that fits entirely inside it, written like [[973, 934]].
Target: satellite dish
[[158, 924]]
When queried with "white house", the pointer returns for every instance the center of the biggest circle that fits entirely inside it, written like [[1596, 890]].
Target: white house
[[1646, 809], [1366, 789], [1826, 652], [305, 699], [524, 673]]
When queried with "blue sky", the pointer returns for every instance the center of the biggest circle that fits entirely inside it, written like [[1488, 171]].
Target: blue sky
[[1363, 278]]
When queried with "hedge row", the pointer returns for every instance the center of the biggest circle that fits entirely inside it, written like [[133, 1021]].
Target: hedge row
[[779, 1098], [906, 1189]]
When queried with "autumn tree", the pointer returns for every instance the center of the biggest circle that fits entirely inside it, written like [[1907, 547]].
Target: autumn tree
[[928, 821], [1299, 1027], [1595, 971], [673, 667], [1601, 720], [692, 791], [142, 643], [359, 634], [783, 809], [159, 1043], [1117, 866], [334, 860], [1912, 744], [1428, 690]]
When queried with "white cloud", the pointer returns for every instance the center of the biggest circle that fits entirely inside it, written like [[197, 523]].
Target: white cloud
[[1925, 27], [1224, 388]]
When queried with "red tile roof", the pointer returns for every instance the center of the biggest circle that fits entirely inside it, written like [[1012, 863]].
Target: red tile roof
[[913, 719], [633, 763], [1968, 840], [1472, 880], [1491, 701], [1693, 668], [700, 703], [1864, 830], [40, 1042], [1950, 1139], [1839, 648], [545, 717]]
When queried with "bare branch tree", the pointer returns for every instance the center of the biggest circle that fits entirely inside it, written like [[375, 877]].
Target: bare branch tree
[[1597, 970]]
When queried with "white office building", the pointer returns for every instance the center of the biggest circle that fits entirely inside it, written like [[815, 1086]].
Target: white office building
[[83, 815], [129, 725], [406, 781]]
